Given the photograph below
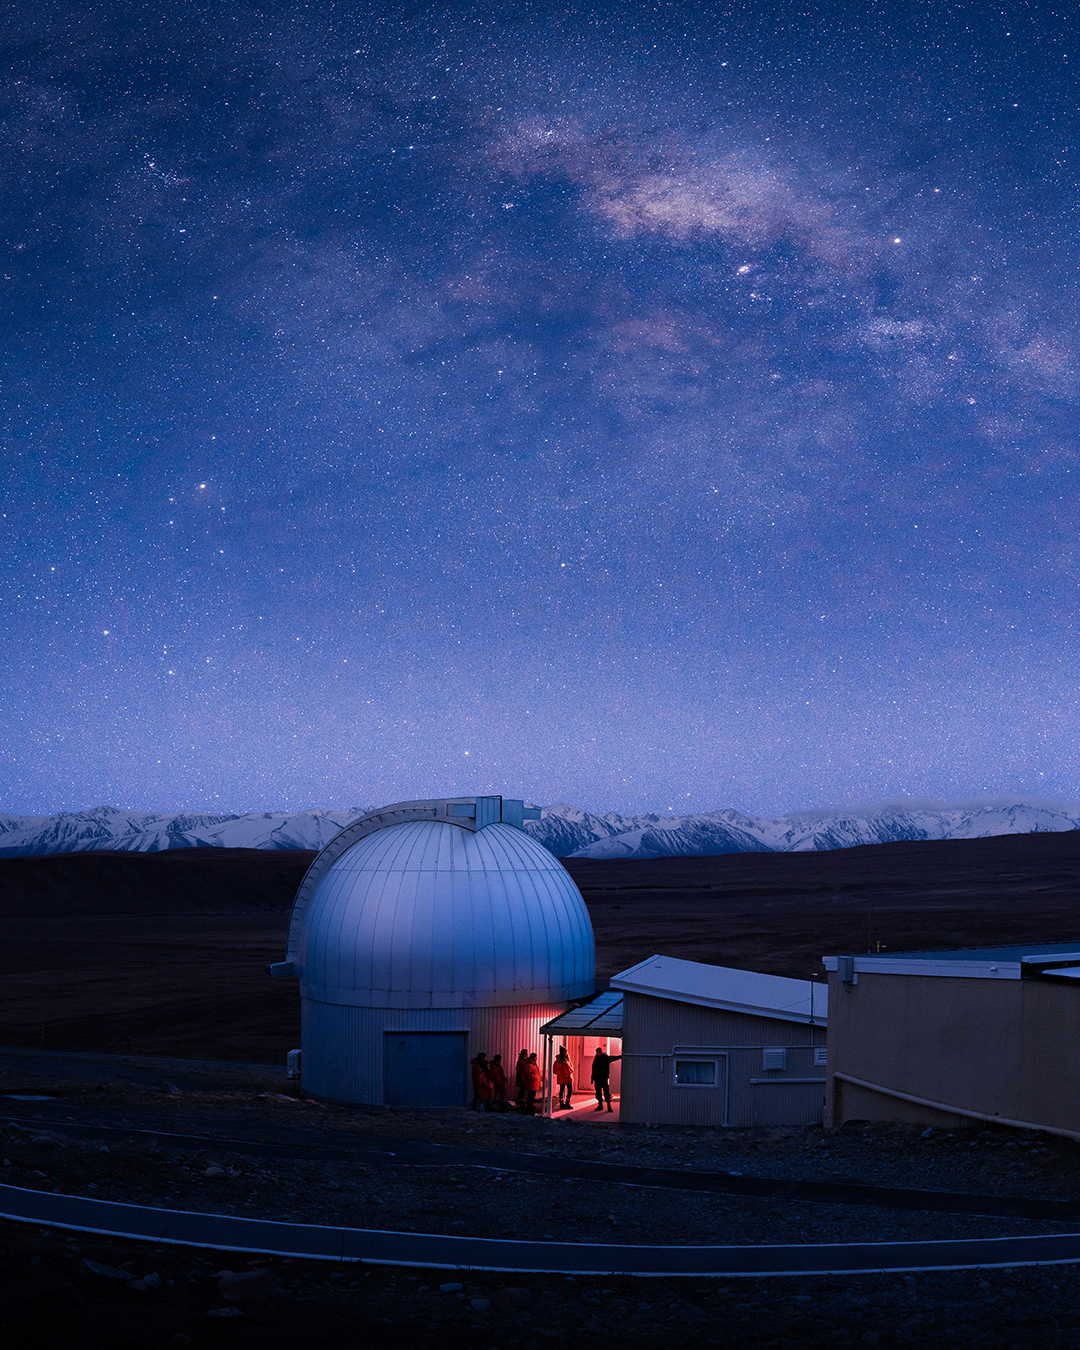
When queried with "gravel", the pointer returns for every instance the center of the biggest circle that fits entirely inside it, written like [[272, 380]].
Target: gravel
[[1008, 1308]]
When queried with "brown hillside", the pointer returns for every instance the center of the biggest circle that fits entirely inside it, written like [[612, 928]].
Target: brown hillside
[[165, 952]]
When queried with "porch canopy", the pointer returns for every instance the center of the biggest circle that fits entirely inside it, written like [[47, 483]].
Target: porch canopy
[[601, 1016]]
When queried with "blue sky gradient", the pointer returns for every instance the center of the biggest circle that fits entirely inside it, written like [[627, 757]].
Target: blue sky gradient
[[640, 407]]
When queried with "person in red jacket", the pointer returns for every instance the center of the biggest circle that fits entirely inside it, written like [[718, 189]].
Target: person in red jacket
[[485, 1090], [534, 1081], [497, 1074], [479, 1067], [564, 1076], [519, 1078]]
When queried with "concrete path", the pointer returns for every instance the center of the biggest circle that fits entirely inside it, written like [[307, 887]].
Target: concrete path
[[373, 1246]]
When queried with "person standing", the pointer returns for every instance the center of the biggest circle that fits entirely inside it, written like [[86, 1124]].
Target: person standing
[[485, 1090], [601, 1075], [497, 1074], [534, 1081], [479, 1067], [519, 1078], [564, 1076]]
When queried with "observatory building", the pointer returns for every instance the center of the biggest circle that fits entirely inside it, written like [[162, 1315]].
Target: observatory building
[[424, 933]]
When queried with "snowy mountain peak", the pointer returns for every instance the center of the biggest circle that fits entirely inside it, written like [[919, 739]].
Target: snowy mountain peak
[[564, 829]]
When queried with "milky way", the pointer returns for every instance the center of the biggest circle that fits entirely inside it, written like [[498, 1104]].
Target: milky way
[[645, 407]]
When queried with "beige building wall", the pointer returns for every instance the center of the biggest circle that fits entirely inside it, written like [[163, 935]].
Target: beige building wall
[[999, 1047], [656, 1031]]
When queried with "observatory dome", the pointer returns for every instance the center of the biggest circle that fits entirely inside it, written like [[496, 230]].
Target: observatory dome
[[426, 914]]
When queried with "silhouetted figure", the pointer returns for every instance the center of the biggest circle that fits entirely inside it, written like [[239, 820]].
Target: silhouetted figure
[[485, 1091], [601, 1073], [519, 1078], [479, 1066], [497, 1074]]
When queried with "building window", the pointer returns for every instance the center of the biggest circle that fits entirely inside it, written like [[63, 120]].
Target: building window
[[695, 1073]]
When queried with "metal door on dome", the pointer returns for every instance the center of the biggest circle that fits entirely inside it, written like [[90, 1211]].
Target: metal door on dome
[[425, 1068]]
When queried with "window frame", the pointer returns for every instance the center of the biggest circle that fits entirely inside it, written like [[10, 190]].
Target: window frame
[[676, 1060]]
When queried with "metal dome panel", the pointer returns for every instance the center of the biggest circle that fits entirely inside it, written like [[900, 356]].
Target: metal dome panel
[[467, 813], [428, 915]]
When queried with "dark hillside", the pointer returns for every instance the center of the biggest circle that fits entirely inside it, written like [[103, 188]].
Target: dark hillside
[[781, 912], [165, 951], [176, 881]]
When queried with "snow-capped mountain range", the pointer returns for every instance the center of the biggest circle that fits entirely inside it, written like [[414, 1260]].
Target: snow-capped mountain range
[[566, 830]]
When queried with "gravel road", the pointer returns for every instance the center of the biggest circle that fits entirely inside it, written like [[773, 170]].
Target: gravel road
[[256, 1148]]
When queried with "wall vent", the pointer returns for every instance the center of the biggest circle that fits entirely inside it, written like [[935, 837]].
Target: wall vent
[[774, 1058]]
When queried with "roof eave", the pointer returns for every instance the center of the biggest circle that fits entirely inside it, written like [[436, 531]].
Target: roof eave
[[725, 1005]]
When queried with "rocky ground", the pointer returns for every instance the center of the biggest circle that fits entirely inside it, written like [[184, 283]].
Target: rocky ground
[[254, 1146]]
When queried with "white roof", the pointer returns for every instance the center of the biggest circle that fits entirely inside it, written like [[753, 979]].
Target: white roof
[[429, 915], [744, 991]]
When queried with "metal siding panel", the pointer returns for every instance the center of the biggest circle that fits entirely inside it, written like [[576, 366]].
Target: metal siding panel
[[359, 972], [556, 921], [410, 954], [434, 936], [584, 945], [430, 913], [488, 890], [501, 955], [667, 1021], [564, 920], [424, 938], [745, 1063], [506, 1030], [491, 853], [326, 952], [420, 850], [458, 897], [455, 849], [789, 1104], [340, 1059], [522, 899], [385, 899], [404, 892], [365, 908], [343, 1047], [656, 1027], [532, 969]]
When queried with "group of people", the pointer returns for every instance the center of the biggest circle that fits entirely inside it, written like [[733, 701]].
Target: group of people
[[490, 1083]]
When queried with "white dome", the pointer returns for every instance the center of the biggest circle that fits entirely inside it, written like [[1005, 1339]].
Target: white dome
[[430, 915]]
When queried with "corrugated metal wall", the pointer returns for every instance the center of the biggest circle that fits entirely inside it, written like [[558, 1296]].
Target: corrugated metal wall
[[656, 1031], [343, 1057]]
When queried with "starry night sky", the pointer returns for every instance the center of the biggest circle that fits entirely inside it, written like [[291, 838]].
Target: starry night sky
[[645, 406]]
